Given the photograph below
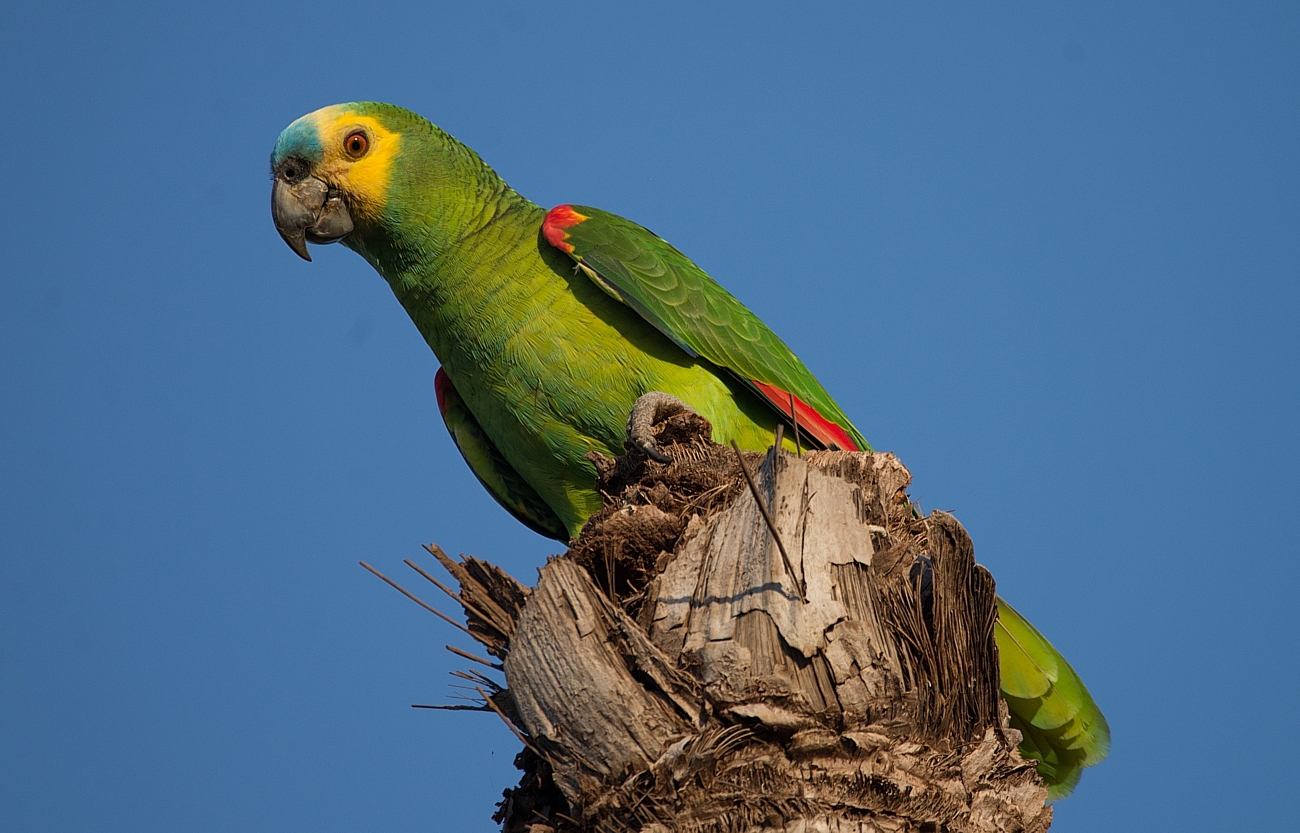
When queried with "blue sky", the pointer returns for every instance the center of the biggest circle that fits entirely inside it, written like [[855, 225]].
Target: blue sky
[[1048, 256]]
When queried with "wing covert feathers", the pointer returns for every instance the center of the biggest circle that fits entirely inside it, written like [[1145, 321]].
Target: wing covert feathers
[[674, 295]]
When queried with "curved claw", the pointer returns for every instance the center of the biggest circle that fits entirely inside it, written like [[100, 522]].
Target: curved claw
[[649, 409]]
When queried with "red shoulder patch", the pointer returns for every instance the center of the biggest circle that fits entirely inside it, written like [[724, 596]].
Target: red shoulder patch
[[441, 385], [810, 422], [558, 219]]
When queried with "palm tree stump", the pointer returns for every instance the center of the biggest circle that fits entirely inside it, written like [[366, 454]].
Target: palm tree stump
[[749, 643]]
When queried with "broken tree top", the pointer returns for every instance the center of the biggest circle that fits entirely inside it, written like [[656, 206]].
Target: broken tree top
[[748, 642]]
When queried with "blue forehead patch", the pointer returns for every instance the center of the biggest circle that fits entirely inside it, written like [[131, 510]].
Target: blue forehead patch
[[298, 139]]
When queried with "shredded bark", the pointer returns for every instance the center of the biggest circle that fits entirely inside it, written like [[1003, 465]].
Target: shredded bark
[[675, 671]]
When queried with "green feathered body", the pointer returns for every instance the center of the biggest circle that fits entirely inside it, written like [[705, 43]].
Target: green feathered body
[[550, 325], [548, 364]]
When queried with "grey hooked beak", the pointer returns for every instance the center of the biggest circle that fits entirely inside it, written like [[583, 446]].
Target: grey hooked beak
[[306, 210]]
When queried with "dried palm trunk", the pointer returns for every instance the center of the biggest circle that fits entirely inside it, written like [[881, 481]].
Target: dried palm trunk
[[692, 665]]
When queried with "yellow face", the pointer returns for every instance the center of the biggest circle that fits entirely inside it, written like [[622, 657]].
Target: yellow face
[[357, 157]]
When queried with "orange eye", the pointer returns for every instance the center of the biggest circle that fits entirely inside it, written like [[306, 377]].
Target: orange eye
[[356, 144]]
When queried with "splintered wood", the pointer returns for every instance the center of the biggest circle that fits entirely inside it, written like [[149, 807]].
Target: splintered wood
[[674, 672]]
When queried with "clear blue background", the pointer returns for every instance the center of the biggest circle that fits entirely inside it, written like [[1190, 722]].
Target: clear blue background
[[1047, 255]]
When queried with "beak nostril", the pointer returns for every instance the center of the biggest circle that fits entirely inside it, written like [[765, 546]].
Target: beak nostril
[[292, 171]]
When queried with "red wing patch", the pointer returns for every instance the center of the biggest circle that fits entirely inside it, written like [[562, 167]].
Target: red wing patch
[[810, 422], [558, 219], [441, 385]]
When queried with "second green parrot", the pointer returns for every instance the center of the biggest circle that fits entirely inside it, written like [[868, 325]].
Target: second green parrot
[[552, 326]]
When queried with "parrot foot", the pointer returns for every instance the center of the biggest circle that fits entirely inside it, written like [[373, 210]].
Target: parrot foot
[[649, 409]]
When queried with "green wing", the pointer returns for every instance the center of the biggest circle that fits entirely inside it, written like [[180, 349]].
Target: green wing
[[645, 272], [1062, 727], [485, 460]]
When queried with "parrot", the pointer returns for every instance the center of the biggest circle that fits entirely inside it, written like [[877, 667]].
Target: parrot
[[552, 326]]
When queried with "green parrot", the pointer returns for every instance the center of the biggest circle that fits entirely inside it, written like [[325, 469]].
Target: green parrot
[[552, 326]]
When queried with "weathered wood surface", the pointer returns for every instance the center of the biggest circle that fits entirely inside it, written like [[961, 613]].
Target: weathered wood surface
[[672, 673]]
